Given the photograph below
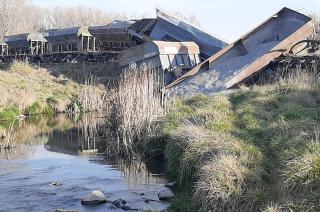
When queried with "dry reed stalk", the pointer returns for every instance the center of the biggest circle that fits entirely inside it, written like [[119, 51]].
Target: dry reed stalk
[[10, 139], [137, 105]]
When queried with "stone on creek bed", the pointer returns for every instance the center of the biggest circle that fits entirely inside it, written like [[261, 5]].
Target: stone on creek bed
[[170, 185], [166, 195], [56, 183], [94, 198]]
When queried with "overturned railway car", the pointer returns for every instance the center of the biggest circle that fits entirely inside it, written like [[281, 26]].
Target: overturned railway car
[[120, 35], [170, 59], [249, 55], [169, 27]]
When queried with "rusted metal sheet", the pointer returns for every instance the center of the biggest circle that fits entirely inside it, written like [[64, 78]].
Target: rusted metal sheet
[[248, 55]]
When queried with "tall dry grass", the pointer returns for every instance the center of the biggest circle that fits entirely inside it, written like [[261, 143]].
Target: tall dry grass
[[302, 79], [10, 138], [136, 104], [92, 96]]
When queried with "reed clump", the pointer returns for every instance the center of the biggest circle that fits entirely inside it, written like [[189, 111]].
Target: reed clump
[[135, 105]]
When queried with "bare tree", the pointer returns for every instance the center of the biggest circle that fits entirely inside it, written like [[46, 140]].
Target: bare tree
[[60, 17], [18, 16]]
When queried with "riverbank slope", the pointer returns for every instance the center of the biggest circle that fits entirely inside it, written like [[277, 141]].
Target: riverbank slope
[[254, 150], [27, 90]]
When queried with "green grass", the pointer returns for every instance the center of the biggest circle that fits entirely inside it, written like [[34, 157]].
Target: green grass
[[37, 91], [9, 113], [254, 150]]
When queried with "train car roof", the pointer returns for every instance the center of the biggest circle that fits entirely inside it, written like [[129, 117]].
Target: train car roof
[[83, 30], [25, 37]]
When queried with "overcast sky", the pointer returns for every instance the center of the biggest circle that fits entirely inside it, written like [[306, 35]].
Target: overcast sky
[[228, 19]]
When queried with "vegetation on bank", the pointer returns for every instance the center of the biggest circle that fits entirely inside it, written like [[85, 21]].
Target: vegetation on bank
[[254, 150], [27, 90]]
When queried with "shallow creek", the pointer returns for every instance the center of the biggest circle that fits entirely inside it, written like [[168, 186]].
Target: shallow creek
[[59, 149]]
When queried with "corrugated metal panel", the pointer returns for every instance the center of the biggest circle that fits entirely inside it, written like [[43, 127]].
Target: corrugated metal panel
[[172, 28], [155, 48], [177, 47], [248, 55]]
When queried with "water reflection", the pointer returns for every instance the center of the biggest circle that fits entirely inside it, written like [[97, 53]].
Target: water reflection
[[73, 136], [66, 149], [82, 139]]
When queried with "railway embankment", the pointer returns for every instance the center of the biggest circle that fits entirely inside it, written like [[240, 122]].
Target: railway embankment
[[28, 90]]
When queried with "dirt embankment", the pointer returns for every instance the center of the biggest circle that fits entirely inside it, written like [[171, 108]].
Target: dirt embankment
[[28, 90]]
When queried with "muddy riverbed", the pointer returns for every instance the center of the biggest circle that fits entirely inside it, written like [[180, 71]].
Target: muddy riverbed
[[62, 150]]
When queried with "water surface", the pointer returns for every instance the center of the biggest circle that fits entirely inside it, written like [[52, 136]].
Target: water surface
[[64, 150]]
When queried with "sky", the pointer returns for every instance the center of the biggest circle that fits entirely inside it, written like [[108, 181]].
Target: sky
[[226, 19]]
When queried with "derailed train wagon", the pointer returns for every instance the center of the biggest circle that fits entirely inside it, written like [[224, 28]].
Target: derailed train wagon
[[104, 43], [120, 35], [69, 40], [169, 27], [26, 43], [171, 59], [245, 57]]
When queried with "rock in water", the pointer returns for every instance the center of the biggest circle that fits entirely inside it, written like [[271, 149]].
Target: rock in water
[[165, 195], [93, 198], [56, 183], [119, 202], [170, 185]]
